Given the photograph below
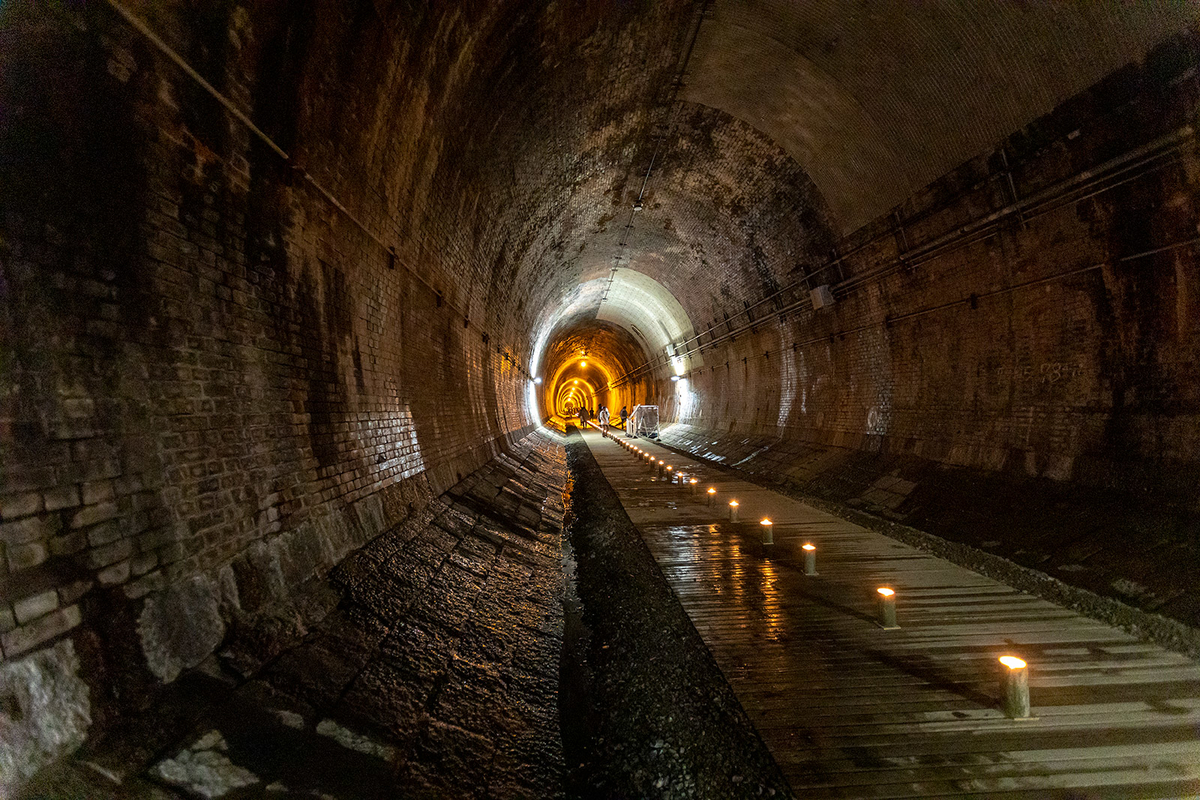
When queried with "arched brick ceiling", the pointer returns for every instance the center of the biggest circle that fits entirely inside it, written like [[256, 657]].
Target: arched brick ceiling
[[875, 100], [609, 349], [628, 301], [508, 141], [727, 216]]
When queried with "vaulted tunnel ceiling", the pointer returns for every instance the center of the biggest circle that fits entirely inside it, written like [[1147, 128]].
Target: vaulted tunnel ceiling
[[875, 100], [793, 125]]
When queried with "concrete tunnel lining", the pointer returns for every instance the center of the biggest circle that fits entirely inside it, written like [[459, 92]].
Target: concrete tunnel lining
[[223, 371]]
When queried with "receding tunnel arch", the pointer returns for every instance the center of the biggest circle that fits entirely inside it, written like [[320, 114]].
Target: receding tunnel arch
[[616, 324], [572, 394]]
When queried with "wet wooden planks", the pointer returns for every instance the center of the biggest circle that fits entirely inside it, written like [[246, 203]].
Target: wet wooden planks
[[851, 710]]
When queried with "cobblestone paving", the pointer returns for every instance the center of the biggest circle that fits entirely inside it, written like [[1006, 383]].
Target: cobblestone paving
[[434, 674]]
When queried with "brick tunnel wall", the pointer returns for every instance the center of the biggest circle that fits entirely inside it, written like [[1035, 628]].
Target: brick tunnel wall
[[209, 367], [217, 380], [1030, 387]]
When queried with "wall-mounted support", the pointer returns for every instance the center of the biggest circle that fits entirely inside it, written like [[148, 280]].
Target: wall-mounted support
[[822, 296]]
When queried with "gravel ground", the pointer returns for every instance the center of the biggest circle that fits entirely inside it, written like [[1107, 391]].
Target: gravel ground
[[646, 712]]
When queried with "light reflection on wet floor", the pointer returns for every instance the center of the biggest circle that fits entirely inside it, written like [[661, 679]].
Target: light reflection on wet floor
[[851, 710]]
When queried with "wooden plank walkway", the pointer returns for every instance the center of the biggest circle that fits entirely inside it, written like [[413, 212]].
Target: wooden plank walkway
[[851, 710]]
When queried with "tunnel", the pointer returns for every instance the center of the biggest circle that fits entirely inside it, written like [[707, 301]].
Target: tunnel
[[300, 303]]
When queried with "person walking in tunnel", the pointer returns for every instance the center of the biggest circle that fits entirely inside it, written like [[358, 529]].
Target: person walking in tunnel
[[583, 417], [603, 416], [625, 420]]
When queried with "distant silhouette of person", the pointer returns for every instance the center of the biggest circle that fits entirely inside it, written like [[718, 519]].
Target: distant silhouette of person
[[603, 416], [583, 416]]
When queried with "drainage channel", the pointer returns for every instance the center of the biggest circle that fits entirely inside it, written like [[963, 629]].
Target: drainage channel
[[645, 711]]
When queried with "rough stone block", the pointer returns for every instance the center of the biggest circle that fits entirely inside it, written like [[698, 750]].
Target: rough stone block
[[97, 492], [61, 497], [30, 608], [25, 556], [91, 515], [104, 533], [7, 620], [180, 626], [116, 574], [23, 531], [150, 582], [27, 637], [54, 713], [99, 557], [20, 505], [141, 564], [68, 544]]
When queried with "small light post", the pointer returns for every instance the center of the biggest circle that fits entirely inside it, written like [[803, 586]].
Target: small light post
[[695, 484], [886, 599], [768, 531], [733, 510], [670, 475], [810, 558], [662, 468], [712, 496], [1015, 686]]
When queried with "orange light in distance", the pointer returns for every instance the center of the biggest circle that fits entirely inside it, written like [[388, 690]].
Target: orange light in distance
[[1012, 662], [885, 592]]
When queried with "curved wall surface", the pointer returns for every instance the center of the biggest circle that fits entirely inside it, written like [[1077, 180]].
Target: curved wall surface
[[246, 328]]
